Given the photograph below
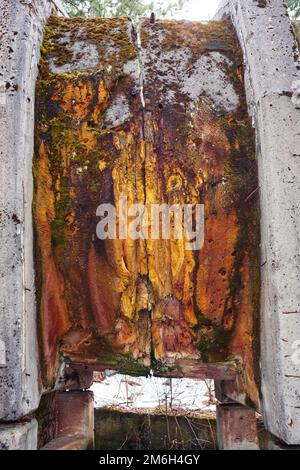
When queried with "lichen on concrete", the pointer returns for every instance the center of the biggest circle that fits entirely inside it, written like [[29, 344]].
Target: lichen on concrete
[[118, 113], [85, 57]]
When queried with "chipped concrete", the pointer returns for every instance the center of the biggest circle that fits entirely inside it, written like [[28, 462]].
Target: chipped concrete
[[272, 77]]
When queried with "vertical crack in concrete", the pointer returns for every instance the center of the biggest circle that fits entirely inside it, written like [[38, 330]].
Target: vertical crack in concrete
[[136, 37]]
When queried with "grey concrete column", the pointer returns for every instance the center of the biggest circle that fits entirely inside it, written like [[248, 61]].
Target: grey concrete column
[[272, 78], [21, 25]]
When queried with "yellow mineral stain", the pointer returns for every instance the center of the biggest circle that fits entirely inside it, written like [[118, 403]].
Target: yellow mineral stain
[[102, 165]]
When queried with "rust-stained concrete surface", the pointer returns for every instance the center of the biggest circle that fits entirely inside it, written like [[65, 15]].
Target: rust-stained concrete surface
[[144, 304], [272, 78], [116, 429]]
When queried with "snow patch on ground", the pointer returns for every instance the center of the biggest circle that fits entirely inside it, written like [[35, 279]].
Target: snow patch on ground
[[154, 393]]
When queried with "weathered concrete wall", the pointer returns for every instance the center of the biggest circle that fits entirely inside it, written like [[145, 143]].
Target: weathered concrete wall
[[141, 431], [272, 66], [21, 27], [200, 147]]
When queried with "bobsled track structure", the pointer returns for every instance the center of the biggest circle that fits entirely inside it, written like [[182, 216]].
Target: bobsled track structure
[[95, 110]]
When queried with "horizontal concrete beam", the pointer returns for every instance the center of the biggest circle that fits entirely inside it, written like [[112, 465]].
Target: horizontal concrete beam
[[271, 59], [181, 368]]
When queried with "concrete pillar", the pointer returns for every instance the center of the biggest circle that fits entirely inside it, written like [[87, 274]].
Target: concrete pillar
[[221, 389], [272, 77], [74, 421], [236, 428]]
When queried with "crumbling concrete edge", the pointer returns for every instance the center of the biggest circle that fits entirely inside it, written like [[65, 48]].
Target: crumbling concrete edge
[[271, 58], [22, 26]]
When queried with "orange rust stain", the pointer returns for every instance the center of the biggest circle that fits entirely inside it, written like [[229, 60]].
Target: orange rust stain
[[127, 302], [104, 291], [54, 315], [76, 98], [103, 101], [241, 344]]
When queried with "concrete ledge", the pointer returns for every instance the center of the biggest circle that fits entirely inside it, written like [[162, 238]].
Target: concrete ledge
[[271, 58], [21, 436]]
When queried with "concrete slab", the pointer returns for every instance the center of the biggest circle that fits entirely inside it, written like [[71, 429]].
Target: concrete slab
[[21, 25]]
